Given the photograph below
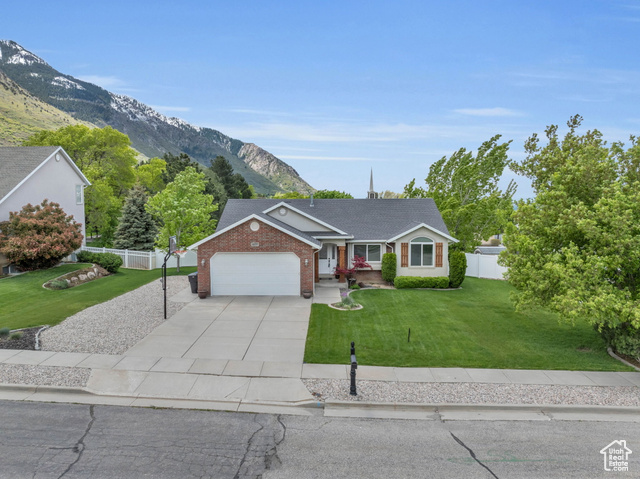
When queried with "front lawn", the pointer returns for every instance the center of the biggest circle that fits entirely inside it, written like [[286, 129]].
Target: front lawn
[[475, 327], [25, 303]]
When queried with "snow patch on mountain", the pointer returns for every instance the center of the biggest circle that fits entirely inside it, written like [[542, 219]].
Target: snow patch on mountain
[[137, 111], [65, 83], [20, 55]]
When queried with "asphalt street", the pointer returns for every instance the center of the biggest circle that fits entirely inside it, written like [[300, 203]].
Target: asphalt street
[[42, 440]]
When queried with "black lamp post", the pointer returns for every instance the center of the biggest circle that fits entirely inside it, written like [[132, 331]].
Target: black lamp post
[[172, 249]]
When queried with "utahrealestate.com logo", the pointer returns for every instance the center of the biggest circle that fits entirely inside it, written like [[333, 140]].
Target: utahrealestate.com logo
[[616, 456]]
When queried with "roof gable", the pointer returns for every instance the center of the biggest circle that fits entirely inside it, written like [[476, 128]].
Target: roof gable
[[311, 224], [20, 163], [268, 220]]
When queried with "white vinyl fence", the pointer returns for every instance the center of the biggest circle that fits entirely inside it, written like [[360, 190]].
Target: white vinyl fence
[[146, 259], [484, 266]]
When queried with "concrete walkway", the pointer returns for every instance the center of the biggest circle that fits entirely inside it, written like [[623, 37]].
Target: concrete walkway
[[246, 354]]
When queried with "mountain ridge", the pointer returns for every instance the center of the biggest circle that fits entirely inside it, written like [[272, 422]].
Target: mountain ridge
[[151, 132]]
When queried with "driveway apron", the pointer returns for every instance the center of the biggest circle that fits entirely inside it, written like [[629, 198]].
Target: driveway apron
[[251, 329]]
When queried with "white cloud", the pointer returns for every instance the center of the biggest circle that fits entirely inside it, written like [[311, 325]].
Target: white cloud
[[497, 111], [352, 132], [169, 109], [326, 158], [103, 81]]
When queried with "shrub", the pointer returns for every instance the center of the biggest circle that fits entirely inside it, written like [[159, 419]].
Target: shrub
[[85, 257], [109, 261], [15, 336], [4, 332], [39, 236], [624, 339], [354, 286], [457, 268], [58, 284], [389, 264], [435, 282]]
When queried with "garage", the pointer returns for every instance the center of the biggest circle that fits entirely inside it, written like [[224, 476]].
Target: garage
[[255, 274]]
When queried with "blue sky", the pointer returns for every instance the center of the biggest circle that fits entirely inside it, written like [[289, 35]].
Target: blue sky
[[335, 88]]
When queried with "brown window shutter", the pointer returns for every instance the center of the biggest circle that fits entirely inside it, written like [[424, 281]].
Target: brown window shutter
[[404, 255], [438, 255]]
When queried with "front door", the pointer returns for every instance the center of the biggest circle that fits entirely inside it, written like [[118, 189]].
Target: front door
[[327, 259]]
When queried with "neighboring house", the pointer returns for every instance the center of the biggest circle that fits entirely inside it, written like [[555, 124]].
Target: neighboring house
[[31, 174], [495, 250], [283, 247]]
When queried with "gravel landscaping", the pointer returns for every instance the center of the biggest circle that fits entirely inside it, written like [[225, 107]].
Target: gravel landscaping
[[116, 325], [43, 375], [473, 393]]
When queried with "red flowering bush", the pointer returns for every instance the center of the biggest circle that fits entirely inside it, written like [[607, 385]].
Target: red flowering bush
[[39, 236], [358, 262]]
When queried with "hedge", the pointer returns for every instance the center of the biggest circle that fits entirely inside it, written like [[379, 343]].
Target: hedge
[[436, 282], [389, 263], [109, 261], [457, 268]]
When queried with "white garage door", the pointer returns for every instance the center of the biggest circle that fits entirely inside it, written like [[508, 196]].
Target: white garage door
[[261, 274]]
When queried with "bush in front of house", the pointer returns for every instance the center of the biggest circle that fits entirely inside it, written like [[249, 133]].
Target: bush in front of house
[[408, 282], [109, 261], [389, 263], [457, 268], [623, 339], [38, 237]]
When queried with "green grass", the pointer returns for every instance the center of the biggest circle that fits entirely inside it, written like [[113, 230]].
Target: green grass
[[25, 303], [475, 327]]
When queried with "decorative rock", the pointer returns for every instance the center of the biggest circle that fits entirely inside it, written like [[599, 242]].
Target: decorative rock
[[74, 279], [91, 275], [83, 277]]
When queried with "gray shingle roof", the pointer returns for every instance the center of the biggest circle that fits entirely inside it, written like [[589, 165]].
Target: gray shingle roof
[[17, 162], [365, 219]]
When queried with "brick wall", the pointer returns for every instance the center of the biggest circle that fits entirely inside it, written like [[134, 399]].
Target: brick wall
[[240, 239]]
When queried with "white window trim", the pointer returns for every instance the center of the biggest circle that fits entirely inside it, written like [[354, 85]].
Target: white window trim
[[433, 253], [366, 245]]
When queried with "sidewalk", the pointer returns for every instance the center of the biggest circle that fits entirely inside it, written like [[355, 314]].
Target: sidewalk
[[247, 356], [277, 387]]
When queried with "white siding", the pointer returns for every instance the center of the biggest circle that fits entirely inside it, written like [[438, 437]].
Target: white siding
[[55, 181], [423, 270]]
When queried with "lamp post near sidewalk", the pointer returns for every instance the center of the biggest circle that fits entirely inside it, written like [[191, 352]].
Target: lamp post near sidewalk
[[172, 249]]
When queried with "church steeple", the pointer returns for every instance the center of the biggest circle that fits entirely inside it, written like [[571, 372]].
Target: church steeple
[[372, 195]]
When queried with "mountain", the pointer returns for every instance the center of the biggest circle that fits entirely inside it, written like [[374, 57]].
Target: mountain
[[151, 133], [22, 114]]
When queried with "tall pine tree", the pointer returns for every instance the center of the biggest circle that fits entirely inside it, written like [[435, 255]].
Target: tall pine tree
[[137, 230]]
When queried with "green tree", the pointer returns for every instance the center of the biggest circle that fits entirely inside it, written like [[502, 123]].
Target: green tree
[[136, 230], [150, 174], [176, 164], [575, 248], [105, 157], [184, 210], [39, 236], [234, 184], [465, 189], [321, 194]]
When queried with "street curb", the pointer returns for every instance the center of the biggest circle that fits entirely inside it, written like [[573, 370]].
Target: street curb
[[338, 408]]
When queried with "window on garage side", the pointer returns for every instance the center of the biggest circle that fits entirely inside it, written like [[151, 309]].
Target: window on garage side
[[370, 252], [421, 251]]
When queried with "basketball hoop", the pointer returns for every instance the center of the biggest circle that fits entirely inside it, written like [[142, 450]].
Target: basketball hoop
[[181, 252]]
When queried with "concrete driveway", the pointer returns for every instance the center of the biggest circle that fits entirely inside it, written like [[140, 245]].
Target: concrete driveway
[[252, 329]]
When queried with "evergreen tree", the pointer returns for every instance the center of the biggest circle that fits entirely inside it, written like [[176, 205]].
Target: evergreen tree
[[235, 186], [137, 229]]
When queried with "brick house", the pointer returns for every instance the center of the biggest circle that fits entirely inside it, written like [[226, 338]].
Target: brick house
[[283, 247]]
